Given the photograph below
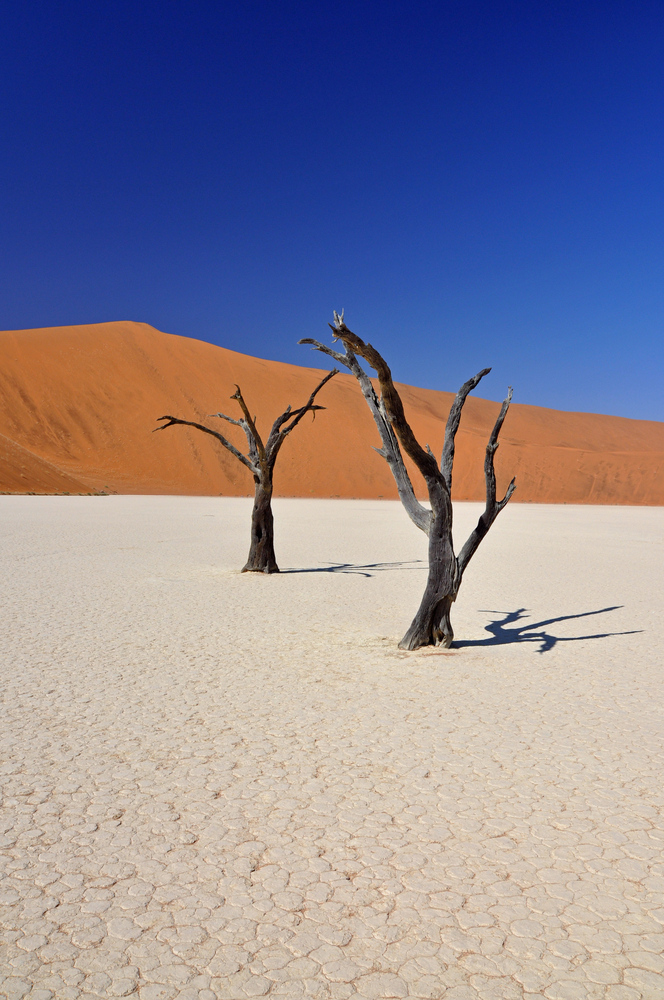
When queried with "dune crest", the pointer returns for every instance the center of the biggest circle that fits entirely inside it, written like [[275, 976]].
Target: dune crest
[[78, 406]]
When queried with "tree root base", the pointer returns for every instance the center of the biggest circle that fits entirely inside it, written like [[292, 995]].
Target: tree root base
[[413, 643]]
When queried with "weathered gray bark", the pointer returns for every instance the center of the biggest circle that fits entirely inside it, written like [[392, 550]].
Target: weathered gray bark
[[260, 461], [432, 624], [419, 515]]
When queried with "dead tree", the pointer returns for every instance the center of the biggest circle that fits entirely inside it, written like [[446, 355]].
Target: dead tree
[[431, 625], [260, 461]]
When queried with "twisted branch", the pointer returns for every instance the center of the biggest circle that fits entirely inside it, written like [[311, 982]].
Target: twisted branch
[[493, 507], [391, 400], [390, 451], [255, 471], [279, 432]]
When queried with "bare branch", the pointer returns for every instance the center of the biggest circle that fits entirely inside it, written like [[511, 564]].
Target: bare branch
[[250, 423], [293, 413], [493, 507], [283, 418], [277, 434], [253, 468], [223, 416], [391, 452], [508, 494], [253, 452], [452, 426], [491, 448], [339, 358], [425, 462]]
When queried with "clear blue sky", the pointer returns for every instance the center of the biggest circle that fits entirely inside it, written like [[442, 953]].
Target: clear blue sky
[[475, 183]]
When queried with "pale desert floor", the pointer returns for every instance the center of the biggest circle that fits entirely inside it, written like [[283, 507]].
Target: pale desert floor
[[223, 786]]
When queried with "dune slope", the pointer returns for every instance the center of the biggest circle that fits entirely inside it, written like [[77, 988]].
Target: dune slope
[[78, 406]]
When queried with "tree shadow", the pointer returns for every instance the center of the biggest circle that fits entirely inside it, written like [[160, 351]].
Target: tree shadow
[[359, 570], [536, 632]]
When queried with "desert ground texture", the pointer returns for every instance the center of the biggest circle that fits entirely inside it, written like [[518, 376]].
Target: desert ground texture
[[219, 785]]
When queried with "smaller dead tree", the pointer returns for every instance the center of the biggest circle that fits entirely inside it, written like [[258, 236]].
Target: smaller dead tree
[[260, 461], [431, 625]]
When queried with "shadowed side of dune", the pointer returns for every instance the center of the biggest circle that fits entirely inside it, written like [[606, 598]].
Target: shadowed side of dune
[[21, 471], [78, 406]]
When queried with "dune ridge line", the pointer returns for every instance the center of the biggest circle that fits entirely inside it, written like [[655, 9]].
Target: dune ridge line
[[78, 405]]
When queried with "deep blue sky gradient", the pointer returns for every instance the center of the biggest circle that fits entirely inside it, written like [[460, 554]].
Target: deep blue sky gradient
[[475, 183]]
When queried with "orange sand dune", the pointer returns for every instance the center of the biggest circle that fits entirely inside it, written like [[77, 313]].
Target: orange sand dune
[[78, 405]]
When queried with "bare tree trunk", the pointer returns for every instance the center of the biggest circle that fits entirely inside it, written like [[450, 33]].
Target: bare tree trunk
[[431, 626], [261, 552]]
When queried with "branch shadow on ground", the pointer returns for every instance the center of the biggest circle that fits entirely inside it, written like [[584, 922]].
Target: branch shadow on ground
[[360, 570], [536, 632]]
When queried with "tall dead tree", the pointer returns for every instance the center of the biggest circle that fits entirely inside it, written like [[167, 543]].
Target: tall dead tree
[[431, 625], [260, 461]]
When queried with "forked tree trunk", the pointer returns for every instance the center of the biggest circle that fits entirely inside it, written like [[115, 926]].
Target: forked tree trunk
[[261, 552]]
